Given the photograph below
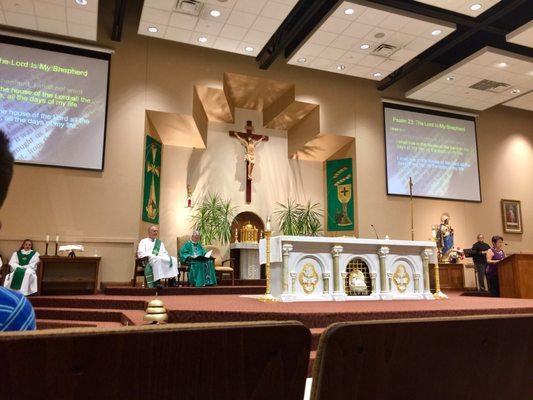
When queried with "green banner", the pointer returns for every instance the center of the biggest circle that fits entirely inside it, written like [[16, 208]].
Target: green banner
[[339, 183], [152, 180]]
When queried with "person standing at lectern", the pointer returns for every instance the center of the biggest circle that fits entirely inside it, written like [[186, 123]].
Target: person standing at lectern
[[201, 267], [479, 256], [494, 255], [17, 313], [160, 264]]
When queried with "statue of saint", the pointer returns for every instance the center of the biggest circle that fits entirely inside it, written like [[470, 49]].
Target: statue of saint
[[249, 146], [445, 238]]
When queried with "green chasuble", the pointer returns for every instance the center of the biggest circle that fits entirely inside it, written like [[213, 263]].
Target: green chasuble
[[201, 270]]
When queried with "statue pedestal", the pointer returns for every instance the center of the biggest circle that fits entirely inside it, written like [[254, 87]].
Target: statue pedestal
[[248, 260]]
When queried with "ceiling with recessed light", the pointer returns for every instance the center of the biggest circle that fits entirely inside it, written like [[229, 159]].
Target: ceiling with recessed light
[[237, 26], [472, 8], [73, 18], [523, 35], [368, 41], [485, 79], [524, 102]]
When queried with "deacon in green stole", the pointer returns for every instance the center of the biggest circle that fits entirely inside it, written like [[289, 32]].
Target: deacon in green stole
[[23, 266], [201, 269]]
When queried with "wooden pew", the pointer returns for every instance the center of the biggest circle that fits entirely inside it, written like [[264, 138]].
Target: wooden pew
[[253, 360], [467, 358]]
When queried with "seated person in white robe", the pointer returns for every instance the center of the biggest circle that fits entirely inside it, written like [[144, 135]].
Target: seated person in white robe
[[23, 269], [160, 264]]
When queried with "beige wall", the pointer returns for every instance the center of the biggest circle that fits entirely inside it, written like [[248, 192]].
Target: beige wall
[[103, 210]]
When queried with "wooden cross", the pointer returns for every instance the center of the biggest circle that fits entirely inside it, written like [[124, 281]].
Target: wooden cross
[[249, 141]]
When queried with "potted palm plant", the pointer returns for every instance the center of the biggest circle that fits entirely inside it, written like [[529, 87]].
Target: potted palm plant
[[212, 218], [299, 220]]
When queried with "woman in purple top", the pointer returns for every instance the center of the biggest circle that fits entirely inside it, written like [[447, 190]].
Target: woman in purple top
[[494, 255]]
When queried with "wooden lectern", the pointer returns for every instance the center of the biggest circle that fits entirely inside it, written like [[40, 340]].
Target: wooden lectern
[[516, 276]]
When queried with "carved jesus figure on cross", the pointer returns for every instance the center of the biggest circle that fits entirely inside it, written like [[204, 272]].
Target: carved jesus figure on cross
[[249, 141]]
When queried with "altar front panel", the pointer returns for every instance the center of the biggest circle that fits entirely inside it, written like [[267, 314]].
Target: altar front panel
[[347, 269]]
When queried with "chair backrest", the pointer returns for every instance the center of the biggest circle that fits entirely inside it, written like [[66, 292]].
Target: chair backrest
[[255, 361], [217, 255], [456, 358]]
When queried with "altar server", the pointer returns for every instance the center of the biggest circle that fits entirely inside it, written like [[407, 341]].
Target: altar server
[[23, 269], [160, 264], [201, 269]]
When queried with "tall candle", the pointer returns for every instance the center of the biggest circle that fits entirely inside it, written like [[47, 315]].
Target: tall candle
[[57, 238], [47, 238], [268, 224]]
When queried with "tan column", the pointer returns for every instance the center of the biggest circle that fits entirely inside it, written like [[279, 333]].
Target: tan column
[[425, 263], [325, 279], [382, 253], [286, 249], [373, 276], [335, 252]]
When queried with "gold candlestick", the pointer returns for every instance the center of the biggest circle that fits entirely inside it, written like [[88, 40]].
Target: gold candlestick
[[267, 297], [438, 294]]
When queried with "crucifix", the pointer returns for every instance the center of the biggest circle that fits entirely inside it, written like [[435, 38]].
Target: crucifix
[[249, 141]]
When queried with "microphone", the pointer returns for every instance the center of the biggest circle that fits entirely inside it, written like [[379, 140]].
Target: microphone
[[375, 231]]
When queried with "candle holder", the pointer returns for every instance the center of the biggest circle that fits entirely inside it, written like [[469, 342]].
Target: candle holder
[[267, 297], [439, 295], [56, 249], [46, 249]]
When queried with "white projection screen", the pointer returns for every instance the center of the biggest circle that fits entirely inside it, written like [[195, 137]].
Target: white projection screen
[[53, 103], [437, 149]]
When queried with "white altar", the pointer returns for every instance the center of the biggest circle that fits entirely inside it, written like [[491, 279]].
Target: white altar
[[248, 260], [347, 268]]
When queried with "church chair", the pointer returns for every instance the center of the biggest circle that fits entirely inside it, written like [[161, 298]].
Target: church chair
[[138, 270], [222, 267], [222, 361], [4, 270], [471, 357]]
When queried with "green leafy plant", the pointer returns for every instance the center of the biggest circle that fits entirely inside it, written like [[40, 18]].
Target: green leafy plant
[[299, 220], [212, 217]]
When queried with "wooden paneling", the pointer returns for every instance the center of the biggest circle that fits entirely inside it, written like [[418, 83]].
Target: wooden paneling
[[451, 276], [441, 359], [68, 275], [516, 276], [231, 361]]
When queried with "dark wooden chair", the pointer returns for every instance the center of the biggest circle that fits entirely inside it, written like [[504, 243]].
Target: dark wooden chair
[[138, 270], [475, 358], [222, 361], [4, 270]]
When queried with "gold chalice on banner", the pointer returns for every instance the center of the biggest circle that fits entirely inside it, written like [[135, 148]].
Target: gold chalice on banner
[[344, 194]]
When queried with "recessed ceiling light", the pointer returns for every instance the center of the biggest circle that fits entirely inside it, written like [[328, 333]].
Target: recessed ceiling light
[[501, 65], [475, 7], [436, 32], [365, 46], [81, 2], [340, 67], [202, 39], [515, 91], [214, 13], [302, 60], [450, 78], [349, 11], [249, 49], [377, 74], [152, 29]]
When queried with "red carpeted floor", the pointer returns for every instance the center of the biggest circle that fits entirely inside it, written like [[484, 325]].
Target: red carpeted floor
[[110, 311]]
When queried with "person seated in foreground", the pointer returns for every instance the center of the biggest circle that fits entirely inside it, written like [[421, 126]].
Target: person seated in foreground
[[494, 255], [16, 311], [201, 268], [23, 269], [160, 264]]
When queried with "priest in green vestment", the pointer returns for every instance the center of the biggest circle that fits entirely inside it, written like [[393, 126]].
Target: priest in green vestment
[[201, 267]]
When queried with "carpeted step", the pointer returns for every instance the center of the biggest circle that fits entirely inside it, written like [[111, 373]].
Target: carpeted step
[[92, 303], [315, 337], [312, 358], [76, 314], [213, 290], [128, 291], [243, 282]]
